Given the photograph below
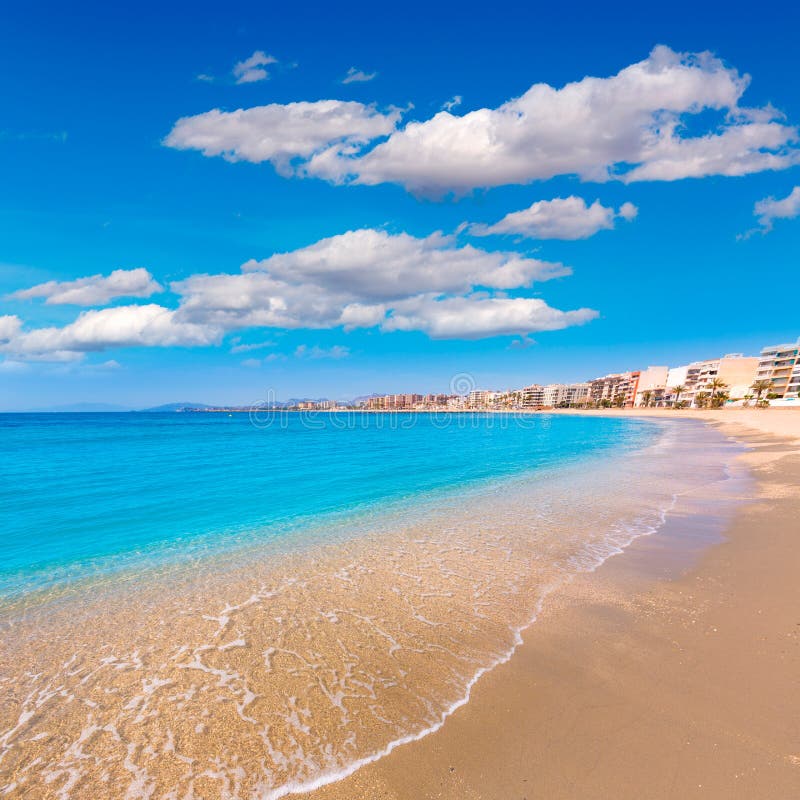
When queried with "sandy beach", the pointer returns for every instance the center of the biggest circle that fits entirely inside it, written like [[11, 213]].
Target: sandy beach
[[672, 671]]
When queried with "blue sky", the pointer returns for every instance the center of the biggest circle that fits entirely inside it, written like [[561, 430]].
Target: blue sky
[[99, 175]]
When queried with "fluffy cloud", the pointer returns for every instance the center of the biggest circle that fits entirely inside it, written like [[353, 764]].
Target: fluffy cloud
[[325, 130], [10, 326], [561, 218], [369, 278], [95, 290], [377, 266], [358, 76], [252, 69], [628, 126], [359, 279], [632, 126], [478, 316], [769, 209], [94, 331]]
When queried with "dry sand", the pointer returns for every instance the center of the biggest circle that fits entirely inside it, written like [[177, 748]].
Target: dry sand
[[668, 673]]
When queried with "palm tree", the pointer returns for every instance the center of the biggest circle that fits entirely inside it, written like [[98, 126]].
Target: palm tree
[[716, 385], [759, 387], [678, 390], [647, 398]]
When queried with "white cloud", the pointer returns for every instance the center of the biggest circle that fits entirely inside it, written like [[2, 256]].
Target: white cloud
[[453, 102], [123, 326], [628, 127], [252, 363], [632, 126], [374, 265], [358, 76], [325, 130], [247, 348], [359, 279], [560, 218], [769, 209], [336, 352], [94, 290], [477, 316], [252, 69], [369, 278], [10, 326], [350, 279]]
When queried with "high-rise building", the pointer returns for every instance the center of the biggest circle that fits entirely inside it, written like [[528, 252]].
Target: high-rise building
[[532, 396], [616, 389], [482, 398], [557, 395], [735, 371], [652, 386], [780, 365]]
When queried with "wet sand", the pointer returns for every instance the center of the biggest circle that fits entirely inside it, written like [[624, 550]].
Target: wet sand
[[672, 671]]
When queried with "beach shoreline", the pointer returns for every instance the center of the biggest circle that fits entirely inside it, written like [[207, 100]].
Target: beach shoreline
[[671, 671], [462, 617]]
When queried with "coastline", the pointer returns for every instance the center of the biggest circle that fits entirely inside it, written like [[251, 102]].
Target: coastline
[[670, 671]]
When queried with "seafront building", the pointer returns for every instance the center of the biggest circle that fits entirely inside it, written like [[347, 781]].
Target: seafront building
[[793, 389], [532, 396], [736, 371], [564, 395], [730, 378], [652, 387], [617, 389], [780, 365], [481, 398]]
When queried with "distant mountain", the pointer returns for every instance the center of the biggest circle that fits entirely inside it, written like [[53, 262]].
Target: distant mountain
[[173, 407]]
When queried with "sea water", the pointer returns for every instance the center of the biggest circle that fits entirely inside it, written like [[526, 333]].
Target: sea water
[[246, 606]]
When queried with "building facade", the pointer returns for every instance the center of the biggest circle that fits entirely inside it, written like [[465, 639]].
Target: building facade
[[617, 389], [652, 387], [560, 395], [735, 371], [780, 365], [532, 396]]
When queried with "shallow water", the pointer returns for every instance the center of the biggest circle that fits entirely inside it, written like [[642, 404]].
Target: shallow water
[[277, 630]]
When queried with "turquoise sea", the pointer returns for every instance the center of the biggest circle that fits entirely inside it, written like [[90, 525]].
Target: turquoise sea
[[80, 493], [204, 605]]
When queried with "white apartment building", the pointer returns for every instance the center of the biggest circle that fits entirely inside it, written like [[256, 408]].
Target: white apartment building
[[735, 370], [482, 398], [780, 364], [652, 386], [618, 389], [565, 394], [793, 388], [532, 396]]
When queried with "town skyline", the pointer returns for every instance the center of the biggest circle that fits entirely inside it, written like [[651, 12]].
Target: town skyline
[[731, 378]]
